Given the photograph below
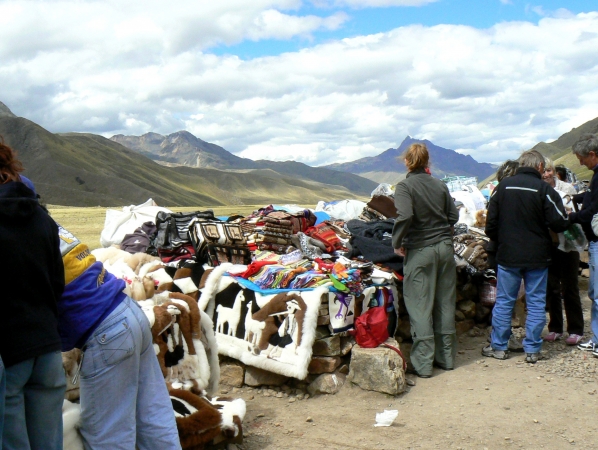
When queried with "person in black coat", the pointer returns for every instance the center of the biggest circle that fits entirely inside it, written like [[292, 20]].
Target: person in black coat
[[521, 211], [32, 278]]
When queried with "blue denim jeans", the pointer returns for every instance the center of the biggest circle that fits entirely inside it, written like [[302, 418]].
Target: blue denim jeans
[[124, 400], [593, 289], [33, 404], [507, 287]]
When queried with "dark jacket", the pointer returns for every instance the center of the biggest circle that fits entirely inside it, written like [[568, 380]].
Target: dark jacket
[[31, 275], [589, 202], [426, 211], [521, 210]]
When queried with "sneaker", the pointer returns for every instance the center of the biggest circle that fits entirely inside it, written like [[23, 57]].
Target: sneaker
[[589, 346], [533, 358], [552, 336], [497, 354], [573, 339]]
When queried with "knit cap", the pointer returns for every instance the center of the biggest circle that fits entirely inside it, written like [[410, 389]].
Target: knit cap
[[75, 255]]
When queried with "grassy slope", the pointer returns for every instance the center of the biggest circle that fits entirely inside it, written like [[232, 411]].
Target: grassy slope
[[89, 170]]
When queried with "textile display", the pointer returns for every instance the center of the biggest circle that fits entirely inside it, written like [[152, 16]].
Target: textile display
[[272, 332]]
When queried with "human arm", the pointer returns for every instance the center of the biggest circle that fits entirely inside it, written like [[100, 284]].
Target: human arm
[[404, 205], [554, 211]]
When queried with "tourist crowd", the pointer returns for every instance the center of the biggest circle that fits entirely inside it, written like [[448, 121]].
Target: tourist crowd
[[57, 297]]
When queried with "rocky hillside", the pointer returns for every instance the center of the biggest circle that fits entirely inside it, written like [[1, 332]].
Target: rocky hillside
[[75, 169], [387, 166], [184, 149]]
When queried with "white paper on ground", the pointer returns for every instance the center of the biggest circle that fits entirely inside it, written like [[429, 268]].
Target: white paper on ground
[[385, 419]]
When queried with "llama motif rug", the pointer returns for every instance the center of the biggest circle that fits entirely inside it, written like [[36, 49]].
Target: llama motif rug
[[272, 332]]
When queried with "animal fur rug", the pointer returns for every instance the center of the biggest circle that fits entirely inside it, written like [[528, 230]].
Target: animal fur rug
[[272, 332]]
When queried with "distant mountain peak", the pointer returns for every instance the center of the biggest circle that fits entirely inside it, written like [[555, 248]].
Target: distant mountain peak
[[5, 112]]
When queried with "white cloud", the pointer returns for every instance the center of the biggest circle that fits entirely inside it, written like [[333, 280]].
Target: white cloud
[[132, 67], [370, 3]]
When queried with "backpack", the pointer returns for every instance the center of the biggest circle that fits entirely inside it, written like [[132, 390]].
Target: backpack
[[140, 240]]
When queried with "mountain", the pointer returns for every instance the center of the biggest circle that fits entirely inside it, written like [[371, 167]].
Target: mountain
[[388, 167], [75, 169], [560, 150], [184, 149]]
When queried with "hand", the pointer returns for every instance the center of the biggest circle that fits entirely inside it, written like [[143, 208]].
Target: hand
[[400, 251]]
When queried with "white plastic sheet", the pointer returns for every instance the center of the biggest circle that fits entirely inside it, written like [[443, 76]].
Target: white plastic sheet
[[119, 223], [342, 209]]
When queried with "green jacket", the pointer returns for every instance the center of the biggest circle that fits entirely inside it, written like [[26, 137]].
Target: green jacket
[[426, 211]]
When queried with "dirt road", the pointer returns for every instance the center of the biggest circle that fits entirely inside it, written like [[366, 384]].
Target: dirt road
[[482, 404]]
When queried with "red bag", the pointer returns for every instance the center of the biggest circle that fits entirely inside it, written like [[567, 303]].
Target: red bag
[[371, 330]]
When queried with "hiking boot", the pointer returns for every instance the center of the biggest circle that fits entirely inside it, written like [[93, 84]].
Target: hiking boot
[[573, 339], [552, 336], [533, 358], [497, 354], [589, 346], [515, 344]]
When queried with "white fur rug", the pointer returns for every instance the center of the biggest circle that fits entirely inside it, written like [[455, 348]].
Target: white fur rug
[[272, 332]]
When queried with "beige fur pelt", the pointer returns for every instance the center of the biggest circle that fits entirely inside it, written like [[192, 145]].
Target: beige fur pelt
[[135, 261], [480, 218], [70, 363]]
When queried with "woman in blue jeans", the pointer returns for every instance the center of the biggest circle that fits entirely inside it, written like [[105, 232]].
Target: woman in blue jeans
[[32, 278], [124, 400]]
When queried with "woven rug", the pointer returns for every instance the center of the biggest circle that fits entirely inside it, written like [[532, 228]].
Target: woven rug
[[273, 332]]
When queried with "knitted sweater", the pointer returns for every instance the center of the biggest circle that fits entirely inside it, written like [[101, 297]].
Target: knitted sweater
[[31, 275]]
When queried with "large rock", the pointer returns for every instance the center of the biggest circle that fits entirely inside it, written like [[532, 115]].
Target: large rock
[[464, 326], [482, 313], [404, 328], [347, 343], [519, 311], [378, 369], [260, 377], [323, 320], [322, 332], [330, 346], [327, 383], [467, 307], [231, 374], [323, 364]]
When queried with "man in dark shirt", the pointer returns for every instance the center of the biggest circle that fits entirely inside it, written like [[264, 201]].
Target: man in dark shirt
[[520, 209], [586, 150]]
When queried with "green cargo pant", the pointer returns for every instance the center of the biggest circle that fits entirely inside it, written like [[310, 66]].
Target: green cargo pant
[[429, 289]]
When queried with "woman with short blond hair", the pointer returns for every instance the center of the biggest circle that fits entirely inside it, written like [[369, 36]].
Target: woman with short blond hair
[[422, 234]]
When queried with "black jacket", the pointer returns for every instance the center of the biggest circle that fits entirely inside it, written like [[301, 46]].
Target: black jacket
[[589, 202], [31, 275], [521, 210]]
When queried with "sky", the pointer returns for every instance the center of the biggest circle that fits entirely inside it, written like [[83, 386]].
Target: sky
[[316, 81]]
